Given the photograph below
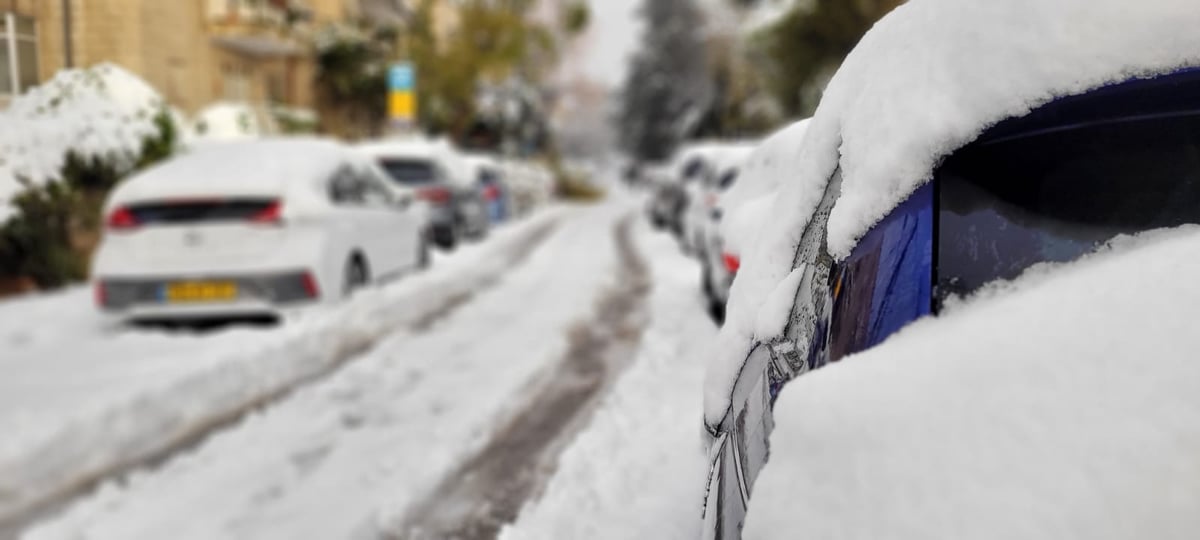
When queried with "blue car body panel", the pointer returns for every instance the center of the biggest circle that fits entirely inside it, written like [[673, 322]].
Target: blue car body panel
[[886, 281]]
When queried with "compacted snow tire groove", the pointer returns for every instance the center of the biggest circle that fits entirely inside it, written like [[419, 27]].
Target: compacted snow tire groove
[[59, 497], [488, 491]]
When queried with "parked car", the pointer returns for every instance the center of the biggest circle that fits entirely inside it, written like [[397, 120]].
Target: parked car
[[253, 228], [667, 199], [921, 180], [720, 167], [496, 193], [443, 178], [694, 169], [739, 202]]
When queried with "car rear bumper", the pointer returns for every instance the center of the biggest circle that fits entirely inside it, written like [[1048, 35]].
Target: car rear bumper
[[266, 294]]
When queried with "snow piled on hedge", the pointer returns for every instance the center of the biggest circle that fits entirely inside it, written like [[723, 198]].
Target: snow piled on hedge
[[230, 121], [925, 81], [1061, 405], [102, 111]]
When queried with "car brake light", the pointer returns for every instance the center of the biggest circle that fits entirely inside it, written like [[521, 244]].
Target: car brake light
[[732, 262], [122, 219], [272, 214], [311, 288], [436, 195], [100, 293]]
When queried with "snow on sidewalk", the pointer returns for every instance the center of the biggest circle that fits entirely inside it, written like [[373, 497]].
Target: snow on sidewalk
[[638, 470], [167, 389], [342, 458]]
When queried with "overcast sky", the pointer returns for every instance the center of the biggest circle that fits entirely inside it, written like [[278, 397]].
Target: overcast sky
[[612, 38]]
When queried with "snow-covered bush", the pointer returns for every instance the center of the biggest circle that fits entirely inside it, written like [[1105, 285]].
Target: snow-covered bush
[[63, 145], [531, 184], [226, 120]]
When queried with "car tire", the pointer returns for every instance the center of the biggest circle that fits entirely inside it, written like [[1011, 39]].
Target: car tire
[[445, 237], [356, 275], [423, 252], [716, 307]]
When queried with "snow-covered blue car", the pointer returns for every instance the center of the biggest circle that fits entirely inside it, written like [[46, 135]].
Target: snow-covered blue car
[[934, 168]]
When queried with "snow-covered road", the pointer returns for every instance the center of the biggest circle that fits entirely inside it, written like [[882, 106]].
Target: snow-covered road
[[433, 407]]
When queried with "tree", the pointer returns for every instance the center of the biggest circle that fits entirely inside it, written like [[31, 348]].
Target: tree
[[494, 42], [350, 83], [668, 88], [805, 47]]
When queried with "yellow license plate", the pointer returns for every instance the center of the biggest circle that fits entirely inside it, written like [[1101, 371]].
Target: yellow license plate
[[201, 292]]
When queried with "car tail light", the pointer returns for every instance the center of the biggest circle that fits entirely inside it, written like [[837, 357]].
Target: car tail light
[[272, 214], [122, 219], [732, 262], [311, 288], [436, 195], [100, 293], [491, 193]]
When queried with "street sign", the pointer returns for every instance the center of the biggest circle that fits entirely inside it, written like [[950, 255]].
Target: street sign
[[402, 78], [402, 93]]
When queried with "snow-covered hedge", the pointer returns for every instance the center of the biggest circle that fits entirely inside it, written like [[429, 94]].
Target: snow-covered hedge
[[63, 145], [101, 112]]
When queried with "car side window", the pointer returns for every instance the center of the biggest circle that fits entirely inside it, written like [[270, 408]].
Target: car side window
[[347, 188], [375, 191]]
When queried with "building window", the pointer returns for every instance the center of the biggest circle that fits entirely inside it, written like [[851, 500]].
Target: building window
[[18, 54]]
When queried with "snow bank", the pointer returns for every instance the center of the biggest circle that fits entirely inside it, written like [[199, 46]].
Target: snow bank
[[753, 210], [224, 121], [102, 111], [926, 80], [51, 458], [644, 429], [1062, 405], [345, 457]]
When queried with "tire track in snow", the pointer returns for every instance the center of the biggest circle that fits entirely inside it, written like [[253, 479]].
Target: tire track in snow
[[489, 490], [55, 498]]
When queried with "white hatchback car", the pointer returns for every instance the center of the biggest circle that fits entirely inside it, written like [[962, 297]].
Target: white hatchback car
[[253, 228]]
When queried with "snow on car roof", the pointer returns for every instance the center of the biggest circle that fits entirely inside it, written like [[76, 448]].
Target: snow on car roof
[[417, 147], [933, 75], [1061, 405], [926, 80], [268, 166]]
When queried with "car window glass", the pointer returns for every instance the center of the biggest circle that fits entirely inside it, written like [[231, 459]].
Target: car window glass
[[1058, 194], [410, 172], [347, 188]]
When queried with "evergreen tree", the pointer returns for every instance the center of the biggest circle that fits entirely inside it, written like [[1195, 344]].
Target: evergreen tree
[[668, 89]]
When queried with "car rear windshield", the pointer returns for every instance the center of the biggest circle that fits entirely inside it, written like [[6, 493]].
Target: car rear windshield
[[410, 171], [1056, 194], [201, 211]]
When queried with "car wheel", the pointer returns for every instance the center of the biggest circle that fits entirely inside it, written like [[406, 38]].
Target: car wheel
[[445, 237], [423, 253], [716, 307], [356, 276]]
